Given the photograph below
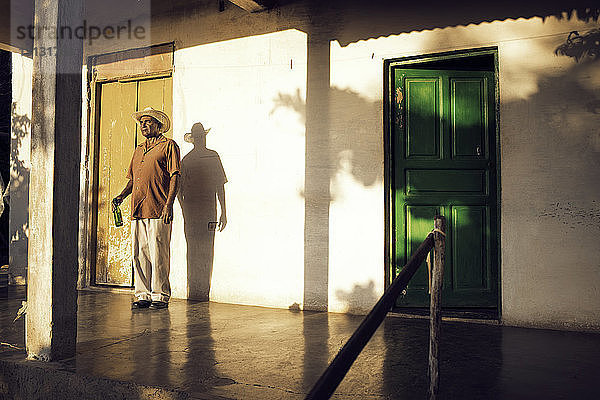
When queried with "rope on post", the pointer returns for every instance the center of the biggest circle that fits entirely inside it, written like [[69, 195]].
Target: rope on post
[[428, 260], [435, 308]]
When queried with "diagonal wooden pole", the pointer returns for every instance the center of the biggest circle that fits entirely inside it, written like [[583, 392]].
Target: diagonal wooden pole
[[333, 375], [435, 307]]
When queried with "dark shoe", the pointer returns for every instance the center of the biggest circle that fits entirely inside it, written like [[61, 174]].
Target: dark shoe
[[140, 304], [157, 305]]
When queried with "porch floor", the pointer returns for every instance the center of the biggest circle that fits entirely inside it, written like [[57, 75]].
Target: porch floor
[[221, 351]]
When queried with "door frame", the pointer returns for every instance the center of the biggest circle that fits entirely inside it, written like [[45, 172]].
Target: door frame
[[89, 201], [389, 159]]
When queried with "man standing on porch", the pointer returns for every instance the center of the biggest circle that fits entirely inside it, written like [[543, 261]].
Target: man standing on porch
[[153, 182]]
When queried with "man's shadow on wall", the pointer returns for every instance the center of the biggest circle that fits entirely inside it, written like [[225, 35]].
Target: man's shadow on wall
[[202, 183]]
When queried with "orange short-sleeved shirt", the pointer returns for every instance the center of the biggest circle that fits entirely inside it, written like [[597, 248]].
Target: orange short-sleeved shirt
[[150, 171]]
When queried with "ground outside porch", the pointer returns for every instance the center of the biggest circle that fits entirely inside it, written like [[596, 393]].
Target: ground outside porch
[[196, 350]]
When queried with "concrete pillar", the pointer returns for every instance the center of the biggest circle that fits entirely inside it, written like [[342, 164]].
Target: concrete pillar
[[51, 322], [318, 173]]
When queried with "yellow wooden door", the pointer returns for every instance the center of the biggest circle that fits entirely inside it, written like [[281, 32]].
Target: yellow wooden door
[[117, 140], [158, 94], [118, 136]]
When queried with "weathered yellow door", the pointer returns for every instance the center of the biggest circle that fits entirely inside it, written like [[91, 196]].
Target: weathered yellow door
[[158, 94], [118, 137]]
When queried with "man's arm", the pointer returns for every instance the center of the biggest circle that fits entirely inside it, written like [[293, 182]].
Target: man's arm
[[126, 192], [167, 212], [221, 197]]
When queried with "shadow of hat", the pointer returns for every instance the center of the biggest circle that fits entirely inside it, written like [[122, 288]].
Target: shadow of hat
[[197, 131]]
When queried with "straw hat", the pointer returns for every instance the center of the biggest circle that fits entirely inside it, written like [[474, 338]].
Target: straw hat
[[197, 131], [157, 115]]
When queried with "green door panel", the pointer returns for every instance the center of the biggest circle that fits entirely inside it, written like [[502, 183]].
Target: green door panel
[[469, 115], [422, 118], [427, 181], [443, 149], [468, 248], [418, 226]]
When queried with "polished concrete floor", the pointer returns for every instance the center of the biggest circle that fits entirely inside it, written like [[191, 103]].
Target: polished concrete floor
[[222, 351]]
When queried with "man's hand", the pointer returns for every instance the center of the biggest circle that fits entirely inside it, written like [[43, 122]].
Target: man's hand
[[126, 192], [222, 222], [167, 214], [117, 201]]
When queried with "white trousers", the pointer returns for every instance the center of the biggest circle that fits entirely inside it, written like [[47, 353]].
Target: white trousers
[[150, 244]]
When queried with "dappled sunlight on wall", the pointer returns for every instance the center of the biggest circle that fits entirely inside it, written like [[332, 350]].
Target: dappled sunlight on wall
[[231, 87], [20, 167], [532, 51], [550, 198], [356, 210], [358, 299], [356, 238], [548, 139], [354, 154], [525, 46]]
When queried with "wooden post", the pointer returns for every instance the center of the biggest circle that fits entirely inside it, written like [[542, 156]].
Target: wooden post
[[333, 375], [435, 308]]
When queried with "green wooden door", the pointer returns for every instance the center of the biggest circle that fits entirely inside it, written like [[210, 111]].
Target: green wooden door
[[444, 162]]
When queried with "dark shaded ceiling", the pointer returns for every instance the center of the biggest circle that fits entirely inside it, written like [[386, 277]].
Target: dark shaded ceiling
[[347, 21]]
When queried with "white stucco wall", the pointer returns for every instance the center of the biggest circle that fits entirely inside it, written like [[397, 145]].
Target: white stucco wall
[[544, 268], [251, 92], [550, 150], [19, 167], [246, 77], [233, 87], [550, 114], [549, 143]]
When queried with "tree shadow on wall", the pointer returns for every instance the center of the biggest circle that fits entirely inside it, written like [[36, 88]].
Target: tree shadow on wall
[[572, 138], [355, 137], [360, 299], [551, 139], [19, 194], [202, 183], [568, 109], [581, 47], [584, 49], [343, 137]]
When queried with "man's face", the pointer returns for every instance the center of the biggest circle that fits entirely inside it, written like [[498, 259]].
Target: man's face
[[149, 126]]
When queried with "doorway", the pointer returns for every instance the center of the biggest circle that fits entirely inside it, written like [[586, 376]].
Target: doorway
[[117, 137], [443, 151]]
